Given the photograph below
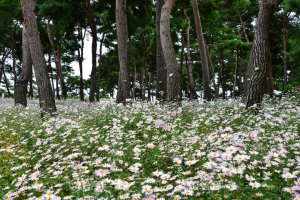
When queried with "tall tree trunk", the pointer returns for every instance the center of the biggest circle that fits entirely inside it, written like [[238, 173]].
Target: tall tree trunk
[[173, 79], [99, 68], [270, 78], [203, 53], [5, 80], [191, 86], [181, 65], [26, 73], [91, 20], [236, 76], [57, 59], [14, 56], [51, 73], [285, 46], [46, 99], [3, 59], [57, 86], [223, 75], [161, 71], [134, 81], [80, 61], [122, 34], [149, 86], [260, 53]]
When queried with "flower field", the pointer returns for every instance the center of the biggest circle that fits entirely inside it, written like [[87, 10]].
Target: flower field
[[214, 150]]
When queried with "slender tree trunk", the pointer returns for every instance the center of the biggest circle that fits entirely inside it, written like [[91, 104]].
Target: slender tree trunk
[[6, 81], [149, 86], [243, 28], [235, 83], [160, 62], [143, 84], [270, 78], [91, 20], [57, 58], [57, 86], [191, 86], [80, 62], [3, 59], [134, 81], [51, 73], [223, 75], [14, 56], [173, 79], [285, 46], [99, 68], [47, 101], [122, 34], [26, 73], [203, 53], [260, 53], [181, 65]]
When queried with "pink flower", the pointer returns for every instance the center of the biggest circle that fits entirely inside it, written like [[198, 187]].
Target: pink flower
[[159, 123], [102, 172]]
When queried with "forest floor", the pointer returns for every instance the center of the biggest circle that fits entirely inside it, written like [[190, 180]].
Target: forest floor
[[214, 150]]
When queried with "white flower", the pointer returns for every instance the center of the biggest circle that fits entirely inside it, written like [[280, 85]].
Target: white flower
[[188, 192], [190, 162], [288, 175], [255, 184], [177, 161], [150, 145]]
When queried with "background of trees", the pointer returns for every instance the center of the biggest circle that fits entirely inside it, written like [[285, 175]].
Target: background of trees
[[228, 31]]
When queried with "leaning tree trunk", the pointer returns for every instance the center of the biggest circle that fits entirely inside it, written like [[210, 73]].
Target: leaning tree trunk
[[160, 62], [91, 21], [192, 88], [173, 79], [260, 54], [203, 53], [26, 73], [47, 101], [122, 34]]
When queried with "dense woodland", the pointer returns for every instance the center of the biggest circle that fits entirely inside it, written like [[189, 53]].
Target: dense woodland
[[141, 49]]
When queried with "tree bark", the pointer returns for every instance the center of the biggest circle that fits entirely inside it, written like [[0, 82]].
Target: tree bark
[[191, 86], [46, 99], [57, 59], [173, 79], [91, 21], [160, 62], [260, 53], [122, 34], [26, 73], [203, 53]]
